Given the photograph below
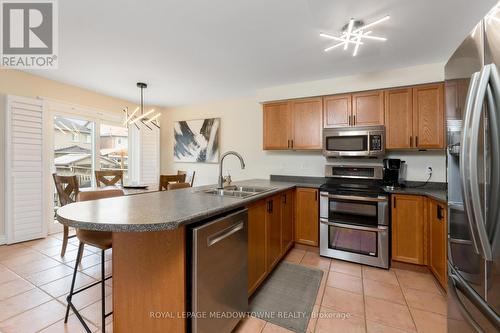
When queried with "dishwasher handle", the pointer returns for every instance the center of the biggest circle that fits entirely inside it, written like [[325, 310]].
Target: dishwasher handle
[[224, 233]]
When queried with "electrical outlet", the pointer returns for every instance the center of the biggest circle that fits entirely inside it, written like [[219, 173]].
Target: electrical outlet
[[428, 171]]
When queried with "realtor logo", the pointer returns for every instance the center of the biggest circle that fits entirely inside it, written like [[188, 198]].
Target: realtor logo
[[29, 34]]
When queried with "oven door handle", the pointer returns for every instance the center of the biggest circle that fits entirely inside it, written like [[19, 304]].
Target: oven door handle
[[353, 197], [355, 227]]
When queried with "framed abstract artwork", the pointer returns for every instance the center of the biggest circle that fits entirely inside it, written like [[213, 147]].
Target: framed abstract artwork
[[197, 140]]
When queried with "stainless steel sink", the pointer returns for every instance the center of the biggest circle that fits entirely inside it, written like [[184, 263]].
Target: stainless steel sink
[[238, 191]]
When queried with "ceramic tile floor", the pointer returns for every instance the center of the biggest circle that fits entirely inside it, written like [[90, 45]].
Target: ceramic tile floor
[[34, 281], [355, 298]]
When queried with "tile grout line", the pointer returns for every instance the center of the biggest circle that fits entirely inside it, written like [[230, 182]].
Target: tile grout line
[[364, 298], [406, 302]]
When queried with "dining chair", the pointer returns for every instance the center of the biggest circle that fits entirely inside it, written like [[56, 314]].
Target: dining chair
[[175, 186], [67, 190], [108, 177], [189, 176], [167, 179], [103, 241]]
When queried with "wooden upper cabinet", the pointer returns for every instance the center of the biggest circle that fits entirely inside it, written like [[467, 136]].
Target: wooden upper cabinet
[[306, 216], [428, 116], [287, 212], [257, 244], [408, 225], [307, 120], [337, 110], [368, 108], [277, 123], [398, 118], [438, 241]]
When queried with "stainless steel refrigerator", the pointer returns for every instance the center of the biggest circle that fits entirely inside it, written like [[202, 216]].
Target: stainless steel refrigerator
[[473, 159]]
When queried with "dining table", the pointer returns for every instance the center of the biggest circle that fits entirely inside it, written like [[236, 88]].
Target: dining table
[[127, 189]]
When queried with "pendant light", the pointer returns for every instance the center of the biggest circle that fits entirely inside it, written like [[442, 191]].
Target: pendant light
[[139, 117]]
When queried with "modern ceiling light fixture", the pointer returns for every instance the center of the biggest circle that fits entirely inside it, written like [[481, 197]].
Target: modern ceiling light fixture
[[141, 118], [354, 33]]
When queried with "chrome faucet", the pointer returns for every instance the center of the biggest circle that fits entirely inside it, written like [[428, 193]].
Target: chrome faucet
[[221, 179]]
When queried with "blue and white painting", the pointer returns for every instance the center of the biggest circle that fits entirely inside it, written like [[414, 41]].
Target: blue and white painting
[[197, 140]]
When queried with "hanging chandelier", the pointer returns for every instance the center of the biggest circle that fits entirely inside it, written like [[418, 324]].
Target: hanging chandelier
[[355, 33], [138, 117]]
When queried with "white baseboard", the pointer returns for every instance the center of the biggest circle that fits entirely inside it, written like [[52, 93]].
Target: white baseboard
[[3, 239]]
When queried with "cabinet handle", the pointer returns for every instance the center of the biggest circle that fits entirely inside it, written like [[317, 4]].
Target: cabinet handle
[[291, 145], [416, 141], [272, 205], [316, 197], [350, 122], [439, 212], [284, 199], [394, 203], [288, 143], [354, 120], [411, 141]]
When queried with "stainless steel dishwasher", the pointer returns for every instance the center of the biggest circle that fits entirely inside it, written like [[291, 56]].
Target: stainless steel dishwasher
[[219, 273]]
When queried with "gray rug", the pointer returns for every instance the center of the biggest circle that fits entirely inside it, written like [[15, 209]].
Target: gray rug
[[287, 297]]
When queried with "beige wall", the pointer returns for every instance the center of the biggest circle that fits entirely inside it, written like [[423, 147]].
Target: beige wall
[[19, 83], [241, 129]]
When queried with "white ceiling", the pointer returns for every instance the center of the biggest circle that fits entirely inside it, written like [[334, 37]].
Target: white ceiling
[[191, 51]]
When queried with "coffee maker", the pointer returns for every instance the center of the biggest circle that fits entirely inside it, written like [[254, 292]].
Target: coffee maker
[[392, 172]]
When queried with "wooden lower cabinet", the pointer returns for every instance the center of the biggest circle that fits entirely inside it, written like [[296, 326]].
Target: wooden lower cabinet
[[273, 224], [270, 235], [408, 228], [287, 218], [419, 233], [306, 216], [257, 244], [437, 241]]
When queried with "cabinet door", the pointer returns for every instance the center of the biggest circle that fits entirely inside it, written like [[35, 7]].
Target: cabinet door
[[408, 219], [286, 221], [437, 242], [257, 245], [337, 110], [306, 216], [307, 123], [398, 118], [368, 108], [276, 123], [273, 221], [428, 116]]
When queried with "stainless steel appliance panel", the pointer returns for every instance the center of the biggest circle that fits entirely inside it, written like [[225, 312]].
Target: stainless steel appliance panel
[[367, 141], [219, 272]]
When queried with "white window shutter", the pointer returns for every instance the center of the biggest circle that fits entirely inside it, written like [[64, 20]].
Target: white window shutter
[[26, 170], [144, 155], [149, 155]]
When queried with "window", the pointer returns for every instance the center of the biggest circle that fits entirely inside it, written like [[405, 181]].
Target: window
[[72, 157], [113, 150]]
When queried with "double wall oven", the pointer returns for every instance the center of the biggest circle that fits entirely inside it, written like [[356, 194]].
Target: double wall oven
[[354, 215]]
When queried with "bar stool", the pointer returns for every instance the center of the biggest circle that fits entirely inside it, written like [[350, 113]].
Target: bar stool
[[101, 240]]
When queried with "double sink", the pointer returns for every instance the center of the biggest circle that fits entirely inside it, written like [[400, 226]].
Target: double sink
[[238, 191]]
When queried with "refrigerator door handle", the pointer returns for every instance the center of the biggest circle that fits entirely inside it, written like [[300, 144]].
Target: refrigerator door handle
[[494, 126], [479, 213], [464, 157]]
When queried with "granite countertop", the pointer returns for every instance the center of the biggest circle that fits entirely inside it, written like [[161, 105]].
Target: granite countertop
[[433, 193], [157, 211]]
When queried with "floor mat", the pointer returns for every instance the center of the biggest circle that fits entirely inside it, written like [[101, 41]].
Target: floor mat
[[287, 297]]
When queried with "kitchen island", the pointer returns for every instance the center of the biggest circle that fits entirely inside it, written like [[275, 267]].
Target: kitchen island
[[149, 248]]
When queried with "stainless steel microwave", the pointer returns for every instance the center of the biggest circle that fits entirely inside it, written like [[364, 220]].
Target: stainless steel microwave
[[368, 141]]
